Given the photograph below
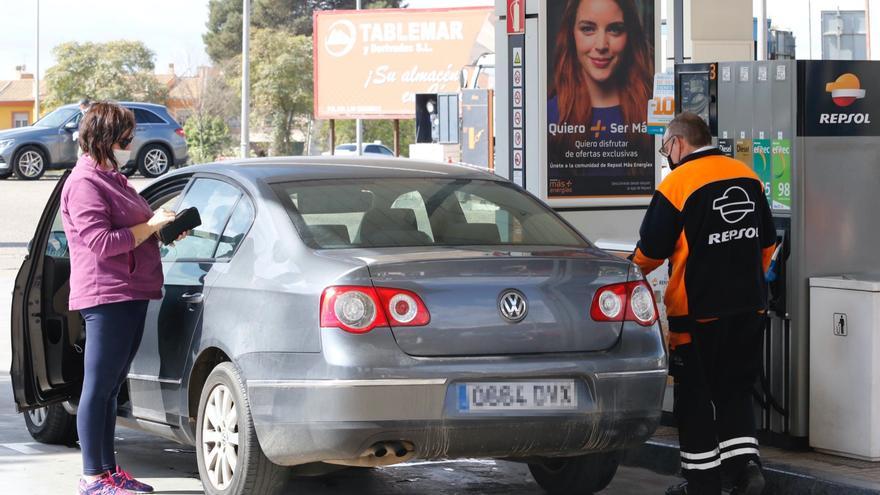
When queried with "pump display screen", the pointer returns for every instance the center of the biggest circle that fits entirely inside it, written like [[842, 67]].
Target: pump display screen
[[695, 96]]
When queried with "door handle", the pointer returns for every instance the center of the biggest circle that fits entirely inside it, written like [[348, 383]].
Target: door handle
[[192, 298]]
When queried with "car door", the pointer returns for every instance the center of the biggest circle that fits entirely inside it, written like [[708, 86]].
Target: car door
[[156, 375], [47, 338], [65, 146]]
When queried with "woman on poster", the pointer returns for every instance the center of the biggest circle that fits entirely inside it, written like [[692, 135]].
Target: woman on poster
[[601, 79]]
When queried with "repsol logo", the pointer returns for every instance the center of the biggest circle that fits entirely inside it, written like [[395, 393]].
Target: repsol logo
[[845, 118], [733, 235]]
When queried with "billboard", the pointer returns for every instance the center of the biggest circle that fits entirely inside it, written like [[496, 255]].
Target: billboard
[[600, 71], [371, 63]]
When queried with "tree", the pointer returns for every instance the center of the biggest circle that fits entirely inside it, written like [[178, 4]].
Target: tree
[[281, 67], [223, 39], [115, 70], [206, 136]]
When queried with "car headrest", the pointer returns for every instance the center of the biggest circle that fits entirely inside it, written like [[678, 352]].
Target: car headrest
[[390, 219], [472, 233], [330, 235]]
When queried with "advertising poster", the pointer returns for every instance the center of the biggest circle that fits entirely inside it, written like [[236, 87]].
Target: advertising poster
[[600, 74], [371, 63], [761, 162], [781, 198]]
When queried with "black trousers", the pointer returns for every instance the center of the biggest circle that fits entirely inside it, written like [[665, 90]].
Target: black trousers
[[714, 376]]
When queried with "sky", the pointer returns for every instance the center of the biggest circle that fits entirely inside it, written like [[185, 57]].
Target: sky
[[173, 28]]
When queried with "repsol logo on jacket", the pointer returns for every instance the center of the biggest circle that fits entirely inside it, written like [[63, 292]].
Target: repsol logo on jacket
[[733, 206], [733, 235]]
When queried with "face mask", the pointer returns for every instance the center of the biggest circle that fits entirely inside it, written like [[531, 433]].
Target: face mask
[[672, 166], [122, 157]]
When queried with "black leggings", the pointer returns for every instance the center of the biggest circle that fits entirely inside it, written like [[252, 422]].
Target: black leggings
[[113, 334]]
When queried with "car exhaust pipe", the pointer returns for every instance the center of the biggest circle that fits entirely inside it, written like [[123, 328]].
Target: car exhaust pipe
[[378, 455], [398, 448]]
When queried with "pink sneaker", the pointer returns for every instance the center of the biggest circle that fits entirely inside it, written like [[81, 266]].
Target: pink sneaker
[[124, 480], [101, 486]]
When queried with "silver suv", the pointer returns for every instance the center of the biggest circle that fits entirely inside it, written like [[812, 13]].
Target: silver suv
[[159, 143]]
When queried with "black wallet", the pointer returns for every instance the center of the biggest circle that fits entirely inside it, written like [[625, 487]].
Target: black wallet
[[187, 219]]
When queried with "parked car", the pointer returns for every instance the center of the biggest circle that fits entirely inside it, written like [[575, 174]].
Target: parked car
[[376, 148], [159, 143], [362, 312]]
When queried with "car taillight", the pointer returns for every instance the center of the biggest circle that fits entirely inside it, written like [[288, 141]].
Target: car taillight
[[359, 309], [180, 132], [631, 301], [404, 308]]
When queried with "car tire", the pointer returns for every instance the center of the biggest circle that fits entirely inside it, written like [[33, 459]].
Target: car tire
[[224, 396], [51, 424], [154, 160], [580, 475], [30, 163], [128, 170]]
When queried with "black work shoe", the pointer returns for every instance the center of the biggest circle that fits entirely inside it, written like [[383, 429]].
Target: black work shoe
[[750, 482], [679, 489]]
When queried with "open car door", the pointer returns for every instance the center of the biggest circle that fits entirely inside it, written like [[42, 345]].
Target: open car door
[[47, 338]]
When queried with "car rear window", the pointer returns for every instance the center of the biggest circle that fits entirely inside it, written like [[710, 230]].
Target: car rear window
[[420, 212], [142, 116]]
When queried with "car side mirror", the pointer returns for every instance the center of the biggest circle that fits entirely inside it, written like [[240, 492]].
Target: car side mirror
[[71, 126]]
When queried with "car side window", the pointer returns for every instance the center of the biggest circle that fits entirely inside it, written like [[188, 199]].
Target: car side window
[[142, 116], [214, 199], [56, 245], [479, 210], [371, 148], [238, 225]]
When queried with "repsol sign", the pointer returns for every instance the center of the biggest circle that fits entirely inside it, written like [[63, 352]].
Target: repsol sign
[[845, 118], [733, 235]]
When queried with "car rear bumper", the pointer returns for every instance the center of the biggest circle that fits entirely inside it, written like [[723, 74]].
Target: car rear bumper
[[305, 421], [360, 391]]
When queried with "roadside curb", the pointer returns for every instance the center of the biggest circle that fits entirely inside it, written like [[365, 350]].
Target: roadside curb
[[662, 457]]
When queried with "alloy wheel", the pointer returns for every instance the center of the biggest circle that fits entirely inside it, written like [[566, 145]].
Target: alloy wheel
[[220, 437], [38, 416], [156, 161], [30, 163]]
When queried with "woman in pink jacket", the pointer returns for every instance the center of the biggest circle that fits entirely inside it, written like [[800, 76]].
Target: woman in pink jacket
[[115, 269]]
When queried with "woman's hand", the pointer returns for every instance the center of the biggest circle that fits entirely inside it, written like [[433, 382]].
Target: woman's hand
[[161, 218]]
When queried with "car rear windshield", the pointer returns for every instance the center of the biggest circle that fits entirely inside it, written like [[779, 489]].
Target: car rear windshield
[[420, 212]]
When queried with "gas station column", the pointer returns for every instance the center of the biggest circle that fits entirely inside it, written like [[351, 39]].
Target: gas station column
[[714, 30]]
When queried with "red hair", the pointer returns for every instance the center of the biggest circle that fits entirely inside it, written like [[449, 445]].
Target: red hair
[[633, 76]]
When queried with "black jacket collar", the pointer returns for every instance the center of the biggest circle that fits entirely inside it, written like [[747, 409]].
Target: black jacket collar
[[701, 154]]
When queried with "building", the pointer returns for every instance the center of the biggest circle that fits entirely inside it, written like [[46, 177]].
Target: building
[[17, 100]]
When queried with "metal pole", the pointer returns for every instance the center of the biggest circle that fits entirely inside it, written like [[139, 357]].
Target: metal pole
[[245, 78], [396, 137], [37, 72], [678, 34], [810, 26], [762, 31], [868, 27], [359, 129], [332, 137]]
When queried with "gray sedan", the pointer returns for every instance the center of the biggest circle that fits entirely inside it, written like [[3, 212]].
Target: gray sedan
[[335, 312]]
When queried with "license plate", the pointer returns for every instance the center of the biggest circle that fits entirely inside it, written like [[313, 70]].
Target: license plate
[[517, 396]]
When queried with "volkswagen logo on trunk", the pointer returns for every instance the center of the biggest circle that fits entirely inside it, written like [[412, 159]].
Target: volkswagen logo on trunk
[[513, 305]]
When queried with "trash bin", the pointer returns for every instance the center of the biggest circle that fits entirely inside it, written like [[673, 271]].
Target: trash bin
[[845, 365]]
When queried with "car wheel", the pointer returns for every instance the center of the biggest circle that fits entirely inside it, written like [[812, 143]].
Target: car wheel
[[576, 475], [51, 424], [153, 161], [230, 459], [29, 163]]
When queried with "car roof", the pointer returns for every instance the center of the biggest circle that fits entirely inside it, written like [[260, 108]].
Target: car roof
[[138, 104], [286, 169]]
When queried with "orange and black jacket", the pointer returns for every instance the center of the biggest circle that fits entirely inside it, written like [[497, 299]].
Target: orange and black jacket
[[710, 218]]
